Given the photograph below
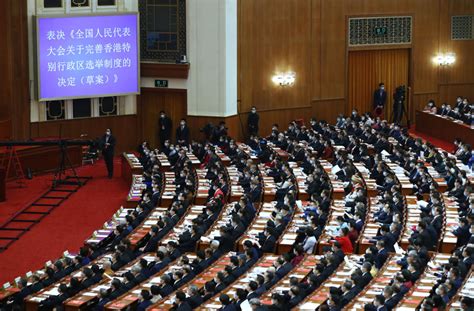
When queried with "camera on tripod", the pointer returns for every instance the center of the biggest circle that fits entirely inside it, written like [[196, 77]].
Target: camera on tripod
[[399, 97]]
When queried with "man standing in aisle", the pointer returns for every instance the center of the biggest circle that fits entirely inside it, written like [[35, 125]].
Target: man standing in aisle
[[380, 98], [107, 143], [165, 128], [182, 133], [252, 122]]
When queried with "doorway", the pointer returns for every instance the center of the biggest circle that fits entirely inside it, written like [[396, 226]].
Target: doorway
[[368, 68]]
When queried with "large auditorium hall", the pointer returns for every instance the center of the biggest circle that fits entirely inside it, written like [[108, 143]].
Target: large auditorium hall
[[237, 155]]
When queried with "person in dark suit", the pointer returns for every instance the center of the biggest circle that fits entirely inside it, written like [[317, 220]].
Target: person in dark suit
[[165, 128], [252, 122], [166, 285], [382, 254], [348, 292], [182, 133], [107, 144], [366, 276], [285, 266], [227, 305], [181, 303], [462, 232], [145, 300], [194, 300], [380, 97]]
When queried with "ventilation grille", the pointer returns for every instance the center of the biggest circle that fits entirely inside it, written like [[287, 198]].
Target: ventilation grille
[[462, 27], [380, 30]]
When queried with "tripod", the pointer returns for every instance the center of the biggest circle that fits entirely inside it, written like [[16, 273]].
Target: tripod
[[60, 177]]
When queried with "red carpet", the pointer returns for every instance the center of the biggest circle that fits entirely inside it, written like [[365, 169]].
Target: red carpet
[[446, 145], [18, 197], [67, 226]]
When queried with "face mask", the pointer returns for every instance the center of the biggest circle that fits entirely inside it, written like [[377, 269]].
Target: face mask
[[162, 116], [107, 133], [182, 124]]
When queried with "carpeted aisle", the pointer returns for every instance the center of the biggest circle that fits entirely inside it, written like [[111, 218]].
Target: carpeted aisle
[[68, 225]]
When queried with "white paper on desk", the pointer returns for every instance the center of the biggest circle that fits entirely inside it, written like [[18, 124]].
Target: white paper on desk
[[348, 262], [245, 306], [385, 153], [422, 203], [398, 249], [432, 265], [299, 204], [335, 169], [53, 292]]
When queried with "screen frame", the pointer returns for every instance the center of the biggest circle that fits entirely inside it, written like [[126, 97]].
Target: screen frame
[[36, 59]]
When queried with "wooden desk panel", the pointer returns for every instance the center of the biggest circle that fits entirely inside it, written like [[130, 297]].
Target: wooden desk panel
[[443, 128], [41, 159]]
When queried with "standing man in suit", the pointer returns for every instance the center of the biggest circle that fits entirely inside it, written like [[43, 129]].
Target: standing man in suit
[[107, 143], [165, 128], [252, 121], [182, 133], [380, 98]]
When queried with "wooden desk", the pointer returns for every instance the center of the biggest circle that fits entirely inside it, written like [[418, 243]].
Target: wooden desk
[[33, 302], [6, 293], [376, 286], [371, 227], [258, 224], [137, 235], [320, 295], [86, 298], [203, 186], [192, 212], [260, 267], [108, 228], [130, 166], [337, 209], [288, 237], [443, 128], [200, 280], [451, 221], [131, 297], [425, 283], [135, 194], [301, 271], [41, 159], [465, 289], [169, 189], [223, 219], [412, 218]]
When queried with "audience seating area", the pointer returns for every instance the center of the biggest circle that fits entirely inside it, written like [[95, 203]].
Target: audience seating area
[[353, 216]]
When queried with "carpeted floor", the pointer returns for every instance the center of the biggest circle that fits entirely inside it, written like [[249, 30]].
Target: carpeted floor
[[446, 145], [67, 226], [18, 197]]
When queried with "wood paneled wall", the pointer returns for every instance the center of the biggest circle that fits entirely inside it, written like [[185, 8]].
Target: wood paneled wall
[[151, 102], [14, 86], [124, 128], [304, 36], [309, 38]]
